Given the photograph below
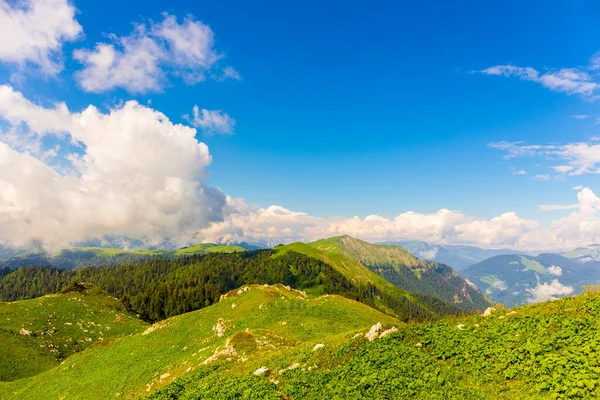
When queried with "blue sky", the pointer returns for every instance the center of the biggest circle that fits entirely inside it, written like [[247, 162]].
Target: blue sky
[[359, 108]]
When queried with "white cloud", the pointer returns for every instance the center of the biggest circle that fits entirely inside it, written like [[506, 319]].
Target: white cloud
[[230, 73], [541, 177], [15, 108], [138, 175], [566, 80], [212, 121], [580, 116], [548, 291], [520, 172], [500, 285], [577, 158], [33, 32], [556, 207], [428, 254], [276, 224], [135, 173], [555, 270], [142, 61]]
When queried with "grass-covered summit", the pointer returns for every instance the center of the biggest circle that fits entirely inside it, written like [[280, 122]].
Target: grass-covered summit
[[365, 261], [37, 334]]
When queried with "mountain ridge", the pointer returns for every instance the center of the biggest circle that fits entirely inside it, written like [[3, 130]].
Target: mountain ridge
[[398, 266]]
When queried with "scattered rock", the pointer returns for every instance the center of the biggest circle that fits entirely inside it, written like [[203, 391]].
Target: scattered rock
[[233, 306], [261, 371], [25, 332], [461, 327], [154, 327], [318, 346], [165, 375], [228, 352], [419, 345], [488, 311], [393, 329], [291, 367], [242, 290], [373, 332], [220, 327]]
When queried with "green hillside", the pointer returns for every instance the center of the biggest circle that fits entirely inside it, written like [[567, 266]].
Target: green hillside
[[209, 248], [249, 327], [404, 270], [273, 342], [389, 297], [36, 335]]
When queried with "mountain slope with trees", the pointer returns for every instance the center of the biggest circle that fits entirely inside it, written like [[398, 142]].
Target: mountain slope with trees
[[159, 288], [401, 268]]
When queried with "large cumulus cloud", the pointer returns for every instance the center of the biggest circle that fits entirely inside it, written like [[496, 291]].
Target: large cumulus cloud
[[136, 174]]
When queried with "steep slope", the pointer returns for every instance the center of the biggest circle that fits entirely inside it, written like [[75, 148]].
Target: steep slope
[[546, 351], [36, 335], [458, 257], [514, 280], [387, 296], [404, 270], [271, 342], [78, 257], [247, 328]]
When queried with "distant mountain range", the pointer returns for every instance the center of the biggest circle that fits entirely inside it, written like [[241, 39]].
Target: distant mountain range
[[519, 279], [584, 254], [78, 257], [457, 256]]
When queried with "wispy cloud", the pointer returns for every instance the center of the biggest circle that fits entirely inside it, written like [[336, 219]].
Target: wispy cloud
[[211, 121], [542, 177], [580, 80], [577, 158], [556, 207], [520, 172], [580, 116]]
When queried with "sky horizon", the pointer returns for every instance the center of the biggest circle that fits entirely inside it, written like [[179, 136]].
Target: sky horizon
[[463, 123]]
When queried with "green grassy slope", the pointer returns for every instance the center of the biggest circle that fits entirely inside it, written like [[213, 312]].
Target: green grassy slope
[[546, 351], [270, 342], [36, 335], [209, 248], [361, 275], [249, 327], [404, 270]]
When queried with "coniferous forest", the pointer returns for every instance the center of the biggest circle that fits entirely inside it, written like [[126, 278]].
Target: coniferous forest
[[159, 288]]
